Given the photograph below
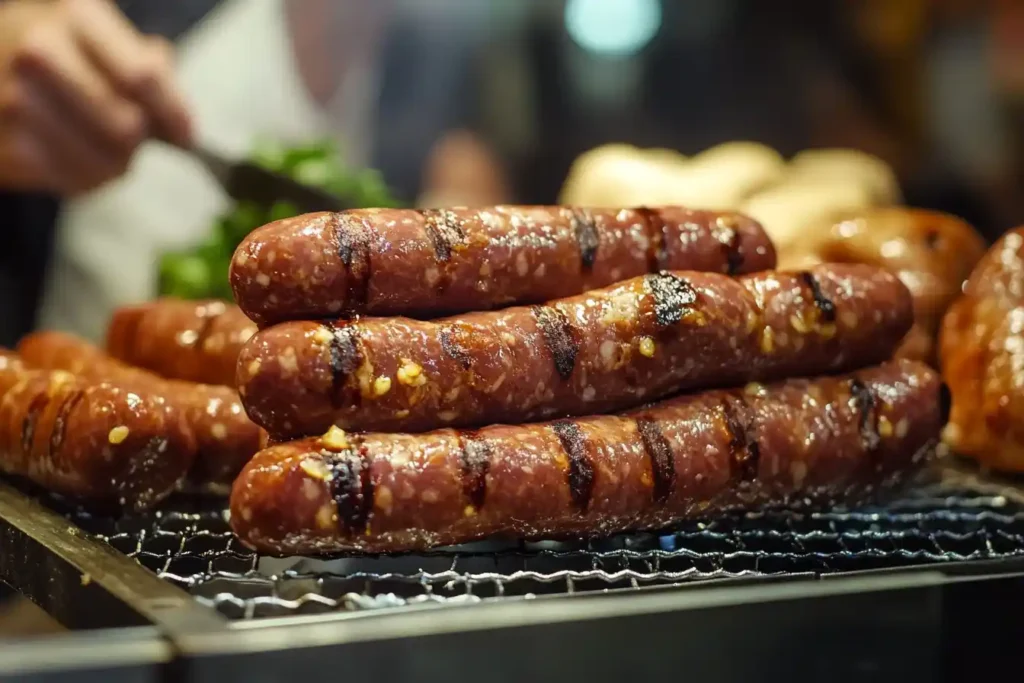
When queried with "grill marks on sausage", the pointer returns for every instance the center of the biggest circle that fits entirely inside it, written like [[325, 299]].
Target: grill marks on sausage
[[444, 231], [451, 346], [725, 232], [60, 423], [657, 238], [744, 449], [354, 251], [587, 237], [826, 307], [474, 461], [867, 414], [560, 336], [659, 452], [581, 467], [28, 425], [351, 486], [672, 295], [345, 357]]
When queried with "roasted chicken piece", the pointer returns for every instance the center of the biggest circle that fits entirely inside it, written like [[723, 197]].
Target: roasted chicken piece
[[931, 252], [982, 353]]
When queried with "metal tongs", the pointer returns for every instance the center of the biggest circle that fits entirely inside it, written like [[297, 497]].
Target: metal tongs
[[245, 181]]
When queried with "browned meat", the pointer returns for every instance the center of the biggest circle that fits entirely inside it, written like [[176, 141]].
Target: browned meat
[[195, 341], [99, 442], [931, 252], [982, 353], [225, 438], [602, 351], [425, 263], [830, 438]]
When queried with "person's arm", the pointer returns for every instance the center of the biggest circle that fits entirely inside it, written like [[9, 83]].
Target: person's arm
[[80, 89]]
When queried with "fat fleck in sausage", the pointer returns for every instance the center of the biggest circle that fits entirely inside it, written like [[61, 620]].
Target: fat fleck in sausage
[[832, 438], [195, 341], [425, 263], [225, 437], [602, 351], [98, 442]]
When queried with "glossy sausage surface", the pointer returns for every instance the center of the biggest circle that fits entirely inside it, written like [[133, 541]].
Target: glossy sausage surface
[[425, 263], [603, 351], [982, 358], [195, 341], [225, 437], [831, 438], [931, 252], [94, 441]]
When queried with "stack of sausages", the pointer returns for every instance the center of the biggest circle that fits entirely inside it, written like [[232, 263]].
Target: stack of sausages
[[548, 403]]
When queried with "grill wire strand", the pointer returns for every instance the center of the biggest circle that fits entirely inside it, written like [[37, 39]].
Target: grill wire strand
[[189, 544]]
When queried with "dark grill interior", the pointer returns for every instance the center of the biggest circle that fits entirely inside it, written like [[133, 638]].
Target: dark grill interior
[[189, 544]]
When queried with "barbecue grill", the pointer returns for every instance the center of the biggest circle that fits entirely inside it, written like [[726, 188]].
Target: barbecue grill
[[780, 585]]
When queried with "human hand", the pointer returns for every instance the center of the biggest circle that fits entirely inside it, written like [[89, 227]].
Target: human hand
[[80, 89]]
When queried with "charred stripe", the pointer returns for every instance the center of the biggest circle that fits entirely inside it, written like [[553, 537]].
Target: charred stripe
[[354, 251], [672, 295], [728, 236], [351, 487], [826, 307], [453, 349], [744, 450], [866, 406], [656, 233], [659, 452], [475, 461], [581, 469], [60, 423], [587, 237], [31, 421], [444, 231], [560, 336], [345, 356]]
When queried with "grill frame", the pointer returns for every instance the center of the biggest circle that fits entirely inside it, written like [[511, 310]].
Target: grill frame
[[119, 592]]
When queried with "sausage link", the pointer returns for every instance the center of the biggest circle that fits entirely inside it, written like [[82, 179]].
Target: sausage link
[[599, 352], [195, 341], [425, 263], [831, 438], [96, 442], [225, 437]]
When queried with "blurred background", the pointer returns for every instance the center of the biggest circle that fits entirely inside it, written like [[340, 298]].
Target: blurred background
[[932, 87], [474, 102]]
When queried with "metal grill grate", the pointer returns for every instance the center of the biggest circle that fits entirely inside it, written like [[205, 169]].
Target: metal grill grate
[[190, 545]]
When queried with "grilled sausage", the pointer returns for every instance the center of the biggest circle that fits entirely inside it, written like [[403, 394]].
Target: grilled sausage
[[829, 438], [195, 341], [225, 437], [425, 263], [982, 355], [932, 252], [98, 442], [602, 351]]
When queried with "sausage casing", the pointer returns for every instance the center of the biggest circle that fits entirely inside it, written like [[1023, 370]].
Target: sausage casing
[[831, 438], [425, 263], [603, 351], [195, 341], [225, 438], [94, 441]]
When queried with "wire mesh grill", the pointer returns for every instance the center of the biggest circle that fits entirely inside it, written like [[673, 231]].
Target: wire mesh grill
[[189, 544]]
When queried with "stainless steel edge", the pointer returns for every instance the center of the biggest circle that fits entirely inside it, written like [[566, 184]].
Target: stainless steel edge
[[107, 655], [334, 629], [43, 551]]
